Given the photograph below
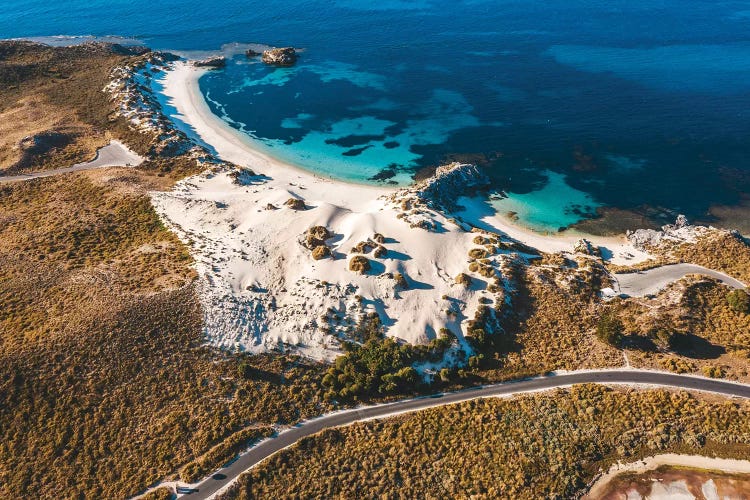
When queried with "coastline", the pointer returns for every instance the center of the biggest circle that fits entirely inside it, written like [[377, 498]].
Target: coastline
[[620, 249], [181, 85]]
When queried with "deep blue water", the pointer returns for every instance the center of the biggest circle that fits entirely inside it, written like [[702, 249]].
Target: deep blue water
[[570, 105]]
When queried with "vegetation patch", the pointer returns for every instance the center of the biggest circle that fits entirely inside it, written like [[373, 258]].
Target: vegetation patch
[[359, 264], [537, 446], [53, 112]]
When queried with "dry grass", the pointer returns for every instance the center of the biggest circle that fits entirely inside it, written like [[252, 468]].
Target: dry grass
[[537, 446], [722, 251], [719, 250], [56, 94], [105, 386], [712, 339], [63, 237], [553, 326]]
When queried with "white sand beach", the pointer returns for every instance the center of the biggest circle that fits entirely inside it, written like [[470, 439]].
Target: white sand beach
[[261, 287]]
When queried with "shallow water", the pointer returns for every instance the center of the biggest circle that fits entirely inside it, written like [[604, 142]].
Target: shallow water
[[569, 105]]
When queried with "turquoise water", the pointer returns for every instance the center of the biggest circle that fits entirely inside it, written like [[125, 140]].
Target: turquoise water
[[569, 105], [557, 205]]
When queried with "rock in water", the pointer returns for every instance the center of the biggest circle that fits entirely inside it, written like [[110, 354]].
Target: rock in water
[[211, 62], [449, 183], [285, 56]]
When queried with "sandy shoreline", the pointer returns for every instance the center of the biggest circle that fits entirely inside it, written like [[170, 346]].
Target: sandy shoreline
[[261, 286], [182, 87], [181, 84]]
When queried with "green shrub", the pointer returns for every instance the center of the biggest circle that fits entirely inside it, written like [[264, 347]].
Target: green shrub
[[739, 301], [610, 329]]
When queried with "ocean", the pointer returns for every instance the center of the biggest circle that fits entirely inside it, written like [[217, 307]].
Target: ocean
[[577, 109]]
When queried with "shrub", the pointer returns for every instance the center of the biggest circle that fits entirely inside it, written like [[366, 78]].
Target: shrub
[[362, 247], [739, 301], [678, 365], [463, 279], [359, 264], [245, 370], [316, 236], [161, 493], [713, 371], [295, 204], [610, 329], [477, 253], [400, 281], [321, 252]]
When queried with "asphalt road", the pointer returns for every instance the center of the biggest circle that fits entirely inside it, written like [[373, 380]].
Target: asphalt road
[[257, 454], [651, 281], [114, 154]]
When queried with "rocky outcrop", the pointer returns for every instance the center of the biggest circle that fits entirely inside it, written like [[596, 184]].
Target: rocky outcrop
[[135, 101], [252, 53], [242, 176], [680, 231], [211, 62], [438, 193], [449, 183], [284, 56]]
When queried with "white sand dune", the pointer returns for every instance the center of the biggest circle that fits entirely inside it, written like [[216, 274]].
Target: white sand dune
[[261, 285]]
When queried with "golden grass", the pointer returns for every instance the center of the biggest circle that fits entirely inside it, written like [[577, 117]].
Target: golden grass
[[56, 93], [106, 387], [537, 446], [719, 337]]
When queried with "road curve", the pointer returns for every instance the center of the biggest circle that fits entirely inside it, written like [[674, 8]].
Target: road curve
[[226, 475], [649, 282], [114, 154]]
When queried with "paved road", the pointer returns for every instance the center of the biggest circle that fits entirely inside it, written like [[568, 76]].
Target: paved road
[[210, 486], [651, 281], [114, 154]]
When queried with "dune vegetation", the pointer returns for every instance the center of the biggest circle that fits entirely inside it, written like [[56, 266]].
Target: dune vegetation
[[106, 386]]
